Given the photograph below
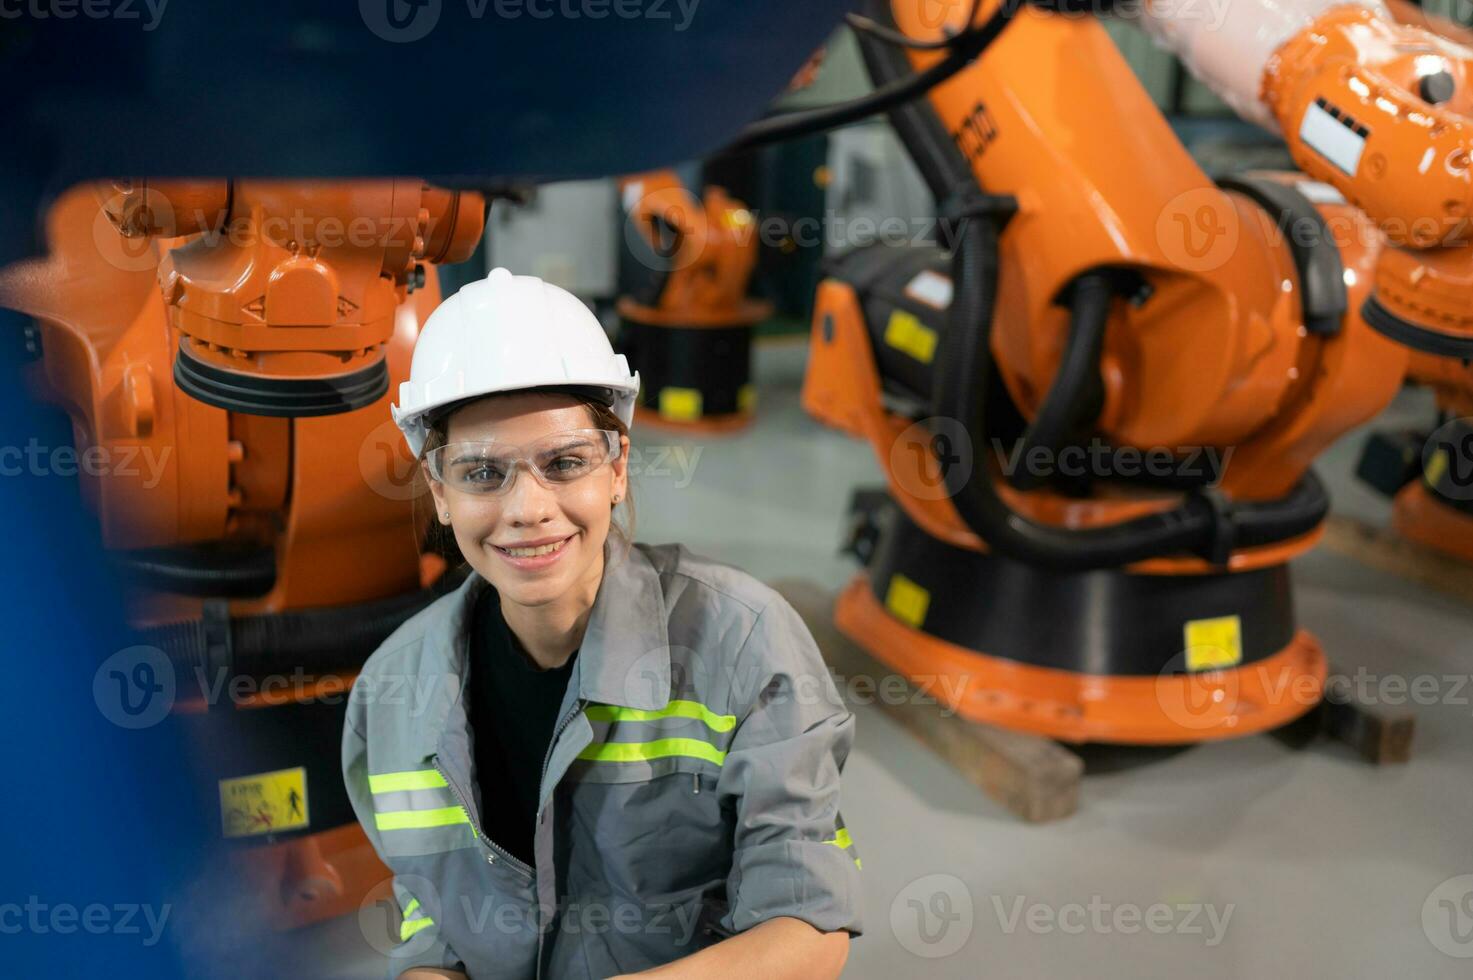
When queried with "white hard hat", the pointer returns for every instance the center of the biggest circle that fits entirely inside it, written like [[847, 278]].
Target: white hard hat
[[506, 333]]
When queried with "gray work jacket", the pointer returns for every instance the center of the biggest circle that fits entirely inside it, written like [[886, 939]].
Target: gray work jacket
[[691, 790]]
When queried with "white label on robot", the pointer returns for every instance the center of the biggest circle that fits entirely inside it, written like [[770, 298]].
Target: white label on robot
[[930, 288], [1332, 138]]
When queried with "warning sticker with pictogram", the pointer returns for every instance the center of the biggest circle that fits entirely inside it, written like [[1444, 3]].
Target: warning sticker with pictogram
[[264, 803]]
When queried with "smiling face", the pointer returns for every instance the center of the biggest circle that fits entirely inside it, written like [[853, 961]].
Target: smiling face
[[494, 530]]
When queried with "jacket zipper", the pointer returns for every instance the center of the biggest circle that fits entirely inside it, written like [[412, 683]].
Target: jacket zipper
[[497, 852], [557, 733]]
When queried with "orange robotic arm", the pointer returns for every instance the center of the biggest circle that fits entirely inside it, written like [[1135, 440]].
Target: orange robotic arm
[[285, 296], [686, 318], [1211, 326], [700, 252], [1377, 108], [1097, 292]]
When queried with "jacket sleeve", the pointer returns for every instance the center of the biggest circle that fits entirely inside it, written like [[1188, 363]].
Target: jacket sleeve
[[415, 940], [792, 856]]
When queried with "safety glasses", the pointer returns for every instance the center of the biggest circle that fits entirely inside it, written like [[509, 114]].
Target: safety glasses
[[556, 460]]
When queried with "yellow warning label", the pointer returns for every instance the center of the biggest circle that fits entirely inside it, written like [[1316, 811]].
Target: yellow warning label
[[907, 600], [680, 404], [265, 803], [1213, 644], [1436, 468], [906, 333], [736, 218]]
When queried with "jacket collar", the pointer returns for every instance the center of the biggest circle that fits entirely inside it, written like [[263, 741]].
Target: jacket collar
[[624, 659]]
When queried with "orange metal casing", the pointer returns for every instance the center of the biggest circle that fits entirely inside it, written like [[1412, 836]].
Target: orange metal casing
[[711, 265], [1218, 352], [331, 494], [1216, 356], [1414, 173]]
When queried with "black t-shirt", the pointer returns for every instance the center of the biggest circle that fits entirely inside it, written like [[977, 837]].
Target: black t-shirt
[[513, 710]]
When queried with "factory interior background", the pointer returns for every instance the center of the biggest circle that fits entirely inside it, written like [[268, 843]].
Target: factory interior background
[[1018, 835]]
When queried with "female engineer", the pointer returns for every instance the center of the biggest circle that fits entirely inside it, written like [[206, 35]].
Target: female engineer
[[613, 758]]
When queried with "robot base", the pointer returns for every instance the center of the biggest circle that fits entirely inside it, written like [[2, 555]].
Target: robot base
[[1433, 521], [695, 372], [1105, 656]]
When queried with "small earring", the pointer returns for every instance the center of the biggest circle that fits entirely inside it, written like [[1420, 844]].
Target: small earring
[[446, 515], [617, 498]]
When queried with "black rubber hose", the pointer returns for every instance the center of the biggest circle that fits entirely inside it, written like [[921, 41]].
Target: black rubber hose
[[313, 641], [1075, 395], [942, 166], [964, 364], [1300, 512], [210, 569], [1205, 524], [803, 122]]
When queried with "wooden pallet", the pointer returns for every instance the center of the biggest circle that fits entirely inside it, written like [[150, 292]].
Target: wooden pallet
[[1383, 549], [1035, 777]]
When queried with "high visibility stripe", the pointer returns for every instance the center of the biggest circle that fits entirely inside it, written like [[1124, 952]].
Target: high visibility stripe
[[418, 819], [676, 709], [660, 748], [409, 927], [389, 782], [413, 799], [843, 841]]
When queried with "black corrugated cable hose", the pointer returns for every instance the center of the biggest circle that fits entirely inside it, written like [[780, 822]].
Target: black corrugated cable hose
[[315, 641], [1205, 524], [1075, 396]]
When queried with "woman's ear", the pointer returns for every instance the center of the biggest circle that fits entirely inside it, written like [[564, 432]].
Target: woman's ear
[[621, 469], [437, 492]]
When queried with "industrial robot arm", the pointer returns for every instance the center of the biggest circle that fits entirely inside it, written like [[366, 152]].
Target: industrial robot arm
[[1097, 292], [696, 254], [1377, 108]]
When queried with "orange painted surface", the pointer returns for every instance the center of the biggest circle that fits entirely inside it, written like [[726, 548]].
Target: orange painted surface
[[1169, 709], [1217, 356], [708, 247], [1414, 172], [1420, 517], [272, 278]]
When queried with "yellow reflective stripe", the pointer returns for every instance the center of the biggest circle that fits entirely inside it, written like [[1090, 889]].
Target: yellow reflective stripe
[[676, 709], [409, 909], [843, 841], [416, 819], [660, 748], [408, 927], [391, 782]]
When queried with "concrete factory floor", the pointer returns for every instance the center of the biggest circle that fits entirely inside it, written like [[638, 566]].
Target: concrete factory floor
[[1237, 859]]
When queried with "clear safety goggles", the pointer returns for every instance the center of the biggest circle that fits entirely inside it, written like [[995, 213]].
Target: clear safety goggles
[[555, 460]]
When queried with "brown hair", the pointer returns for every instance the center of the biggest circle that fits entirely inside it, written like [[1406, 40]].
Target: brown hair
[[439, 539]]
